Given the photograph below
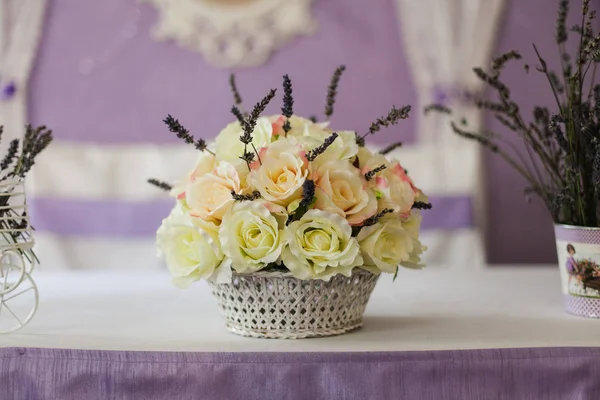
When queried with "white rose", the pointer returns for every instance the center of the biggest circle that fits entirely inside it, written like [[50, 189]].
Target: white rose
[[320, 245], [191, 249], [250, 236], [209, 196], [385, 245], [413, 226], [344, 147], [283, 170], [342, 190], [228, 146]]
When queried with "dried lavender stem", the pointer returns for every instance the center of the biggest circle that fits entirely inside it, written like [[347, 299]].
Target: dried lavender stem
[[593, 81], [332, 90], [236, 94], [545, 72]]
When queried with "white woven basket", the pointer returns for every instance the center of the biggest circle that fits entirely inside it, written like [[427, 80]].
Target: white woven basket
[[277, 305]]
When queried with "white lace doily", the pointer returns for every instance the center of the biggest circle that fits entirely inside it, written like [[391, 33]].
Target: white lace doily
[[233, 33]]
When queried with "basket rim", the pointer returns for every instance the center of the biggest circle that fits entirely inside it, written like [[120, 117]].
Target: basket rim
[[288, 274]]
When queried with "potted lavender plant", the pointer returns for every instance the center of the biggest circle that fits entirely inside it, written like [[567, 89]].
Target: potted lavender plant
[[562, 165]]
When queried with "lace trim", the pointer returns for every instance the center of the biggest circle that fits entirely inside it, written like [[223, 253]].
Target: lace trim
[[242, 33]]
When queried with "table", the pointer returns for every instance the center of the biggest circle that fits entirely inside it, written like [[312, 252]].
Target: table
[[432, 334]]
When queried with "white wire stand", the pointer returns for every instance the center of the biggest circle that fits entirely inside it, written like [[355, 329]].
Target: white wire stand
[[18, 292]]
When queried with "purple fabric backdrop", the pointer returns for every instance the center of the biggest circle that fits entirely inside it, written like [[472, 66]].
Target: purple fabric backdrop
[[131, 219], [134, 82], [543, 373], [100, 78]]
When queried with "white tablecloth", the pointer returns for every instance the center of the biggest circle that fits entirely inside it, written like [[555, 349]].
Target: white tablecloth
[[432, 309]]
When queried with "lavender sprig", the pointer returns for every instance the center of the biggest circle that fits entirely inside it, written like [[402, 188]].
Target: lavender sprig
[[436, 107], [499, 62], [332, 90], [249, 124], [35, 141], [258, 109], [160, 184], [421, 205], [308, 193], [375, 218], [175, 127], [390, 148], [245, 197], [561, 22], [312, 154], [11, 154], [288, 103], [238, 115], [308, 199], [394, 116], [237, 99], [371, 174], [182, 133]]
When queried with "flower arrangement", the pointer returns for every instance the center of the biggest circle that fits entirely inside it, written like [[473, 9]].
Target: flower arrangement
[[286, 193], [17, 162], [17, 258], [562, 164]]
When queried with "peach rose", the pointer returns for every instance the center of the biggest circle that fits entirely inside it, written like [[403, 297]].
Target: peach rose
[[342, 190], [205, 164], [209, 196], [393, 188]]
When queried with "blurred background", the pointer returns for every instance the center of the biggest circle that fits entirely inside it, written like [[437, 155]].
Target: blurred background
[[103, 75]]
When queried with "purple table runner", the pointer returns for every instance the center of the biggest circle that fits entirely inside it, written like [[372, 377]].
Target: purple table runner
[[539, 373]]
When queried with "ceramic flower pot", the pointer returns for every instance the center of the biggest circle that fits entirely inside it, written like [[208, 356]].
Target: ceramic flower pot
[[578, 251], [277, 305]]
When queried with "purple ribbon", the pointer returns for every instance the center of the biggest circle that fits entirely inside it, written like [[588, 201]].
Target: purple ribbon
[[442, 95], [8, 91]]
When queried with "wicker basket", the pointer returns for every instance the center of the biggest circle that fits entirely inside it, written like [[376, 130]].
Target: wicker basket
[[277, 305]]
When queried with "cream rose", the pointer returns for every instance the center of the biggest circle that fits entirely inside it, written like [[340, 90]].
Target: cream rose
[[283, 170], [385, 245], [191, 249], [228, 146], [304, 127], [209, 196], [250, 236], [342, 190], [320, 245]]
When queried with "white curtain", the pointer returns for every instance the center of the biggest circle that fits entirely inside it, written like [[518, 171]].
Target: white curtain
[[21, 24], [444, 40]]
